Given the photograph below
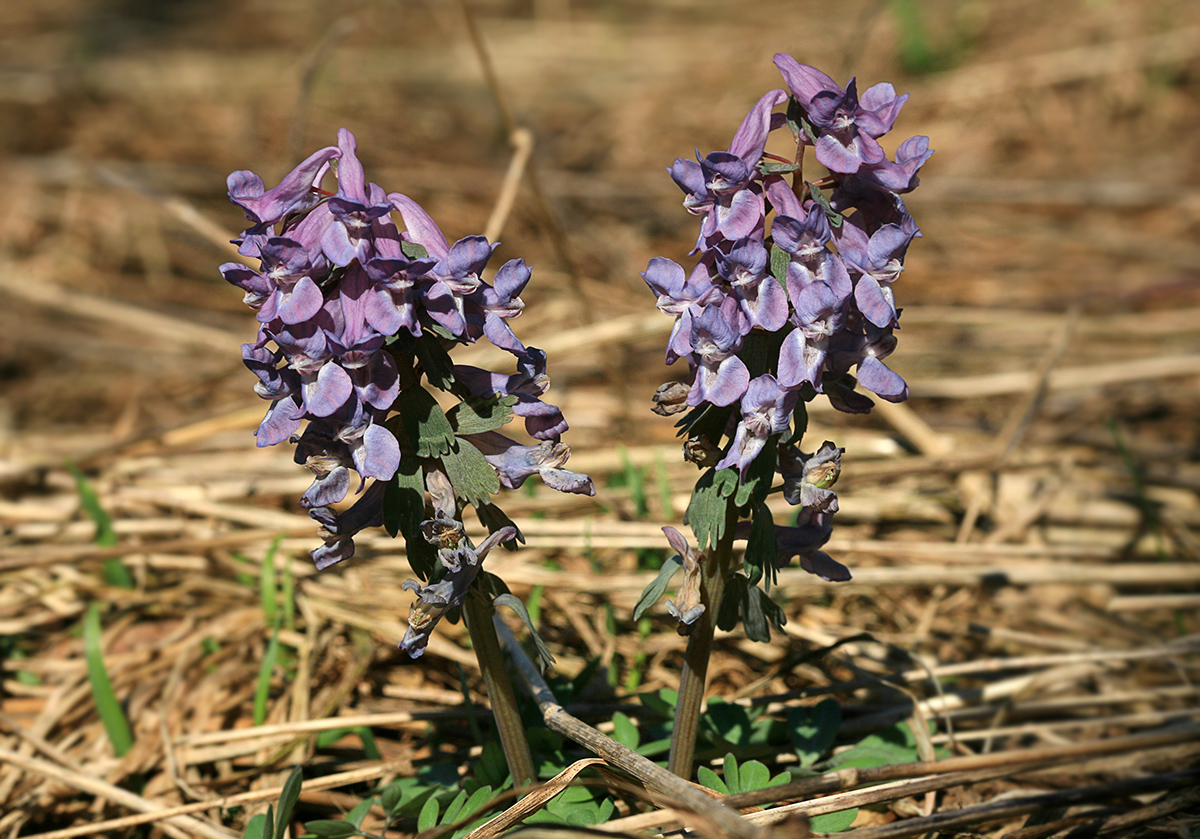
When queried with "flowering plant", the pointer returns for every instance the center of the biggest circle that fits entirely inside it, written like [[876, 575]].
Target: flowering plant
[[791, 291], [356, 321]]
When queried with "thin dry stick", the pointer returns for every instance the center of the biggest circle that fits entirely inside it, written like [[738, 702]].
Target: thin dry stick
[[1024, 758], [654, 776], [1020, 806], [179, 826], [522, 140], [533, 801], [915, 778], [340, 779], [557, 237]]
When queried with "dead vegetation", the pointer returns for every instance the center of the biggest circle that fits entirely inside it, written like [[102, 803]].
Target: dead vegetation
[[1022, 533]]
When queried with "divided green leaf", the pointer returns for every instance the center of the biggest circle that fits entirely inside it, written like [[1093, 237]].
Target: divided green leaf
[[421, 426], [475, 415], [474, 479]]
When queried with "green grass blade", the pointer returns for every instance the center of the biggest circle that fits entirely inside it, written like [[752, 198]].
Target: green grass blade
[[268, 589], [110, 710], [262, 693], [116, 573]]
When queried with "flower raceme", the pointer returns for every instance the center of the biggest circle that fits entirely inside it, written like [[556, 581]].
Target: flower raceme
[[353, 313], [791, 294]]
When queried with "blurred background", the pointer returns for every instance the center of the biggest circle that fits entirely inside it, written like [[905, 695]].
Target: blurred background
[[1051, 324]]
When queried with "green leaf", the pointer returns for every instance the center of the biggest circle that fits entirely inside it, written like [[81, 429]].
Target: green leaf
[[835, 218], [475, 415], [753, 775], [262, 691], [658, 587], [428, 818], [795, 117], [420, 426], [403, 512], [106, 535], [473, 477], [624, 731], [435, 361], [758, 476], [288, 797], [475, 803], [514, 603], [775, 167], [711, 780], [710, 502], [330, 829], [453, 808], [730, 611], [401, 796], [661, 702], [780, 259], [732, 779], [812, 730], [392, 798], [833, 822], [116, 572], [356, 815], [256, 828], [107, 706], [728, 721], [759, 614], [267, 584], [761, 548], [492, 768], [413, 250]]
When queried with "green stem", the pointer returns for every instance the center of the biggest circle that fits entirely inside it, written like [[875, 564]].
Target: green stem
[[694, 675], [478, 612]]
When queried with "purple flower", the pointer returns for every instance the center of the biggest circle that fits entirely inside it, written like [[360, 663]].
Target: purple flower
[[677, 293], [337, 530], [542, 421], [846, 126], [759, 295], [766, 411], [819, 316], [720, 186], [294, 194], [687, 607], [347, 236], [434, 600], [514, 462], [807, 478], [880, 259], [807, 241], [721, 377]]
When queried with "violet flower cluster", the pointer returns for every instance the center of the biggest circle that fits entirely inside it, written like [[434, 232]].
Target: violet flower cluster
[[791, 294], [353, 312]]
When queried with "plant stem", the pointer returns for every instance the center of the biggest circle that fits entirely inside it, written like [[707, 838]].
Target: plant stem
[[477, 612], [694, 675]]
